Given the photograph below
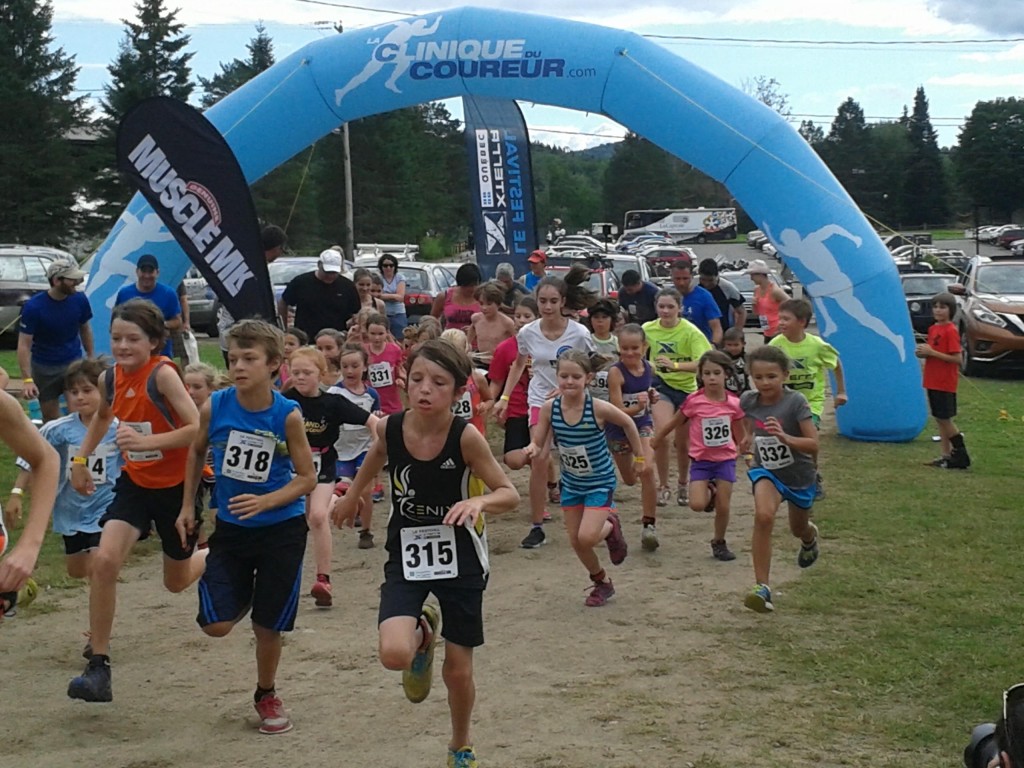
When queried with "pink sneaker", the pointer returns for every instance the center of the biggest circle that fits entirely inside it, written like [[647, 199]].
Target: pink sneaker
[[321, 592], [600, 593], [616, 542], [273, 718]]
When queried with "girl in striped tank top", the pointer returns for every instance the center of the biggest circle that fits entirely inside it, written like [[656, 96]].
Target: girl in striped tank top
[[588, 474]]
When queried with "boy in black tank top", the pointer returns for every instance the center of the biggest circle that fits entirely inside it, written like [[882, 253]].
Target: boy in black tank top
[[436, 539]]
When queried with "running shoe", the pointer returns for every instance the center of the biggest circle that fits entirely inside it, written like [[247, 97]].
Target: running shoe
[[759, 599], [600, 593], [378, 492], [547, 517], [649, 538], [365, 540], [417, 679], [819, 487], [554, 493], [273, 718], [720, 551], [712, 494], [534, 538], [808, 552], [682, 496], [94, 683], [321, 592], [617, 546], [464, 757], [942, 462], [664, 495]]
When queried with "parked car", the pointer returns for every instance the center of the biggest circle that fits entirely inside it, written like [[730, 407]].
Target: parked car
[[990, 316], [661, 259], [919, 290], [756, 238], [1007, 237], [746, 286], [202, 303], [423, 281], [603, 281], [989, 234], [22, 276], [580, 241]]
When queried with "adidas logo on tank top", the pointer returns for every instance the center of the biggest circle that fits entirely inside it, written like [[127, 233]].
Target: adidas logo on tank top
[[448, 464]]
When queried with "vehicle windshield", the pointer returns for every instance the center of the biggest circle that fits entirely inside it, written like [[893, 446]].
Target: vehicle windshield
[[415, 279], [925, 285], [1001, 278], [283, 271]]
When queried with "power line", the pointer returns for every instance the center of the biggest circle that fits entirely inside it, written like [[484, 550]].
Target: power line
[[355, 7], [873, 43]]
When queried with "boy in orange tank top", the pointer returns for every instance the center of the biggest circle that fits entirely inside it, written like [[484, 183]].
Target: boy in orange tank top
[[158, 422]]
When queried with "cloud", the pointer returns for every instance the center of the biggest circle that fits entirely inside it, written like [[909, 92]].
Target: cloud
[[980, 80], [1016, 53], [1001, 17]]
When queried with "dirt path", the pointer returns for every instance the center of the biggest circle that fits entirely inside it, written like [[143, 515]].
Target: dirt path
[[636, 683]]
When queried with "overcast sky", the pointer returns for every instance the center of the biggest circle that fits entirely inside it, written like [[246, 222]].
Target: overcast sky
[[817, 78]]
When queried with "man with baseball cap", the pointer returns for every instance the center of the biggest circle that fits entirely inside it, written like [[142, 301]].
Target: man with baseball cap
[[323, 298], [537, 261], [54, 330], [147, 270]]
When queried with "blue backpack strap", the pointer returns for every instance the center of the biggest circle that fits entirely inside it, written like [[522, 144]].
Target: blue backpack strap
[[155, 397]]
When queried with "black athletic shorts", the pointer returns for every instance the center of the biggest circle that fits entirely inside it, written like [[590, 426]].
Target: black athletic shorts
[[461, 600], [517, 433], [148, 508], [254, 566], [81, 542], [943, 404], [49, 380]]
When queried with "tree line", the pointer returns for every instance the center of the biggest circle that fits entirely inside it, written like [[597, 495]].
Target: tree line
[[58, 184]]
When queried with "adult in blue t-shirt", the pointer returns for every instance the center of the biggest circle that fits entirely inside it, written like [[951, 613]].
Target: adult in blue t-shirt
[[147, 270], [699, 306], [537, 263], [53, 331]]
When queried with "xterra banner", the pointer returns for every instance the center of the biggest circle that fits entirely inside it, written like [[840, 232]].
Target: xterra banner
[[187, 172], [501, 183]]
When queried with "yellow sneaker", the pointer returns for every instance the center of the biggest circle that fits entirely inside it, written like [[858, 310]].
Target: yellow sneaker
[[465, 757], [417, 679], [27, 594]]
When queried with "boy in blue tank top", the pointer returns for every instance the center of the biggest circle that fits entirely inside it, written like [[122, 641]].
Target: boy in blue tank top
[[436, 535], [264, 469]]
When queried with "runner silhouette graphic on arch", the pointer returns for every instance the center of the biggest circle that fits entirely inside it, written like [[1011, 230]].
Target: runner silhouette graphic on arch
[[832, 283], [397, 40]]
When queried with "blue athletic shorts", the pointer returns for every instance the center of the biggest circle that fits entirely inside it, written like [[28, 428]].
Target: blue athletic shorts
[[601, 498], [801, 497], [347, 468]]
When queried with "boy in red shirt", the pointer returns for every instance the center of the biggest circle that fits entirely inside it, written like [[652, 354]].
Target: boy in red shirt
[[941, 371]]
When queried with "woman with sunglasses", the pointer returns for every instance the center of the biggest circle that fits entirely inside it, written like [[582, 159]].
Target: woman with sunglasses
[[393, 294]]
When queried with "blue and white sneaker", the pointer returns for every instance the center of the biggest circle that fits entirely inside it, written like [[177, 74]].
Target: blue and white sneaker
[[759, 599]]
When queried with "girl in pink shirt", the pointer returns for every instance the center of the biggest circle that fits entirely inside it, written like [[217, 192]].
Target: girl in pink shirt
[[716, 426], [385, 371]]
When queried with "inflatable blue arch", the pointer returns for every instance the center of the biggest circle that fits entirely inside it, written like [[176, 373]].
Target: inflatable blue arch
[[766, 165]]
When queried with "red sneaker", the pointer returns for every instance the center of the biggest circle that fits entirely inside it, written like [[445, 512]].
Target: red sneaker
[[273, 718], [600, 593], [321, 592], [616, 542]]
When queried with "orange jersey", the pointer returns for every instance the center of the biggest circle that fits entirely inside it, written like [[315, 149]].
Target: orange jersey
[[137, 403]]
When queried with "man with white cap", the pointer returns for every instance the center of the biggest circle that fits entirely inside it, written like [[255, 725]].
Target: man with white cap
[[53, 331], [323, 298]]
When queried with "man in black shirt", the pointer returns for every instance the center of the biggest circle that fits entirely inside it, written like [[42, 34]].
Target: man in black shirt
[[726, 295], [322, 299]]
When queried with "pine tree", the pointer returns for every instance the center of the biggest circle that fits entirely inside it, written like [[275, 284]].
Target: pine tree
[[813, 134], [847, 150], [238, 72], [151, 61], [925, 193], [40, 173]]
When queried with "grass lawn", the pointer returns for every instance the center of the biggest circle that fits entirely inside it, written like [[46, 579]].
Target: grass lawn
[[905, 633]]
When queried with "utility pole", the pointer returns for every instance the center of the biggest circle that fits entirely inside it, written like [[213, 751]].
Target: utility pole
[[349, 242]]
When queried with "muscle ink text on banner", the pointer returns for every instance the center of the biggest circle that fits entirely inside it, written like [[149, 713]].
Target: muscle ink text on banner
[[501, 183], [187, 172]]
